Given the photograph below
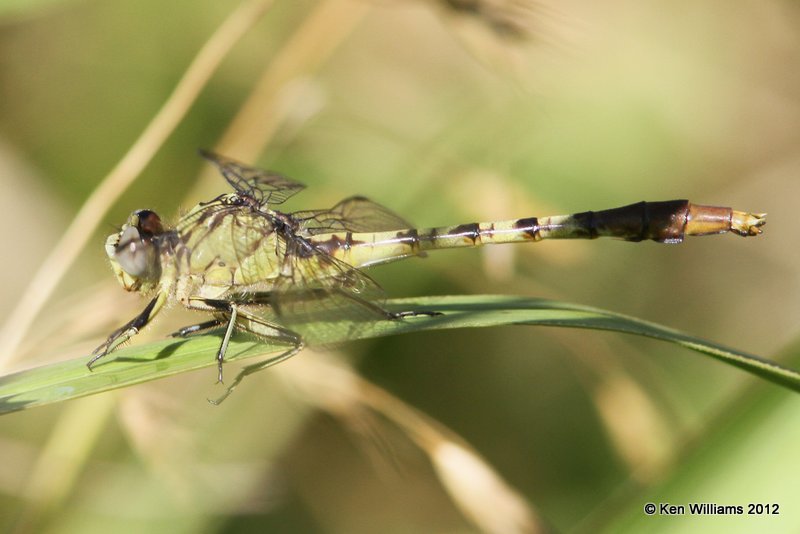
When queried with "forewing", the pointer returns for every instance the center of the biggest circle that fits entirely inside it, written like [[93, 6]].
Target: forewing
[[264, 187], [199, 225], [354, 214], [318, 294], [225, 245]]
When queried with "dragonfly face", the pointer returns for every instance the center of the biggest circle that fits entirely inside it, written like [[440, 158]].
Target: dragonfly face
[[133, 251]]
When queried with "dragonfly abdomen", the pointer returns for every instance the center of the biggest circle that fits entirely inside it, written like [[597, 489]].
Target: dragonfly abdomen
[[665, 222]]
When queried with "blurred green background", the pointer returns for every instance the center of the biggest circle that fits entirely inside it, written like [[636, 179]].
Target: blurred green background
[[447, 114]]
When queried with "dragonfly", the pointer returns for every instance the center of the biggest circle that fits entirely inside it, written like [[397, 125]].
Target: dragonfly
[[280, 275]]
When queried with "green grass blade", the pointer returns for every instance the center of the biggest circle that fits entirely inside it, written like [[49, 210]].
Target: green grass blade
[[141, 363]]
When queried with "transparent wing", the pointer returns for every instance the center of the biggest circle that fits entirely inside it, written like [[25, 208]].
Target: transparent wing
[[354, 214], [201, 221], [264, 187], [227, 245], [317, 294]]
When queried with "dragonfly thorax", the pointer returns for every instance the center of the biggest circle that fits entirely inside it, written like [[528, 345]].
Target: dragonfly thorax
[[133, 251]]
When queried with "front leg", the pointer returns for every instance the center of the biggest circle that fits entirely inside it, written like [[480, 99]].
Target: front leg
[[127, 331]]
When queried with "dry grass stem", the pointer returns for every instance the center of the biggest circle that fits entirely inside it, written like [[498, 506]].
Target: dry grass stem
[[477, 490], [122, 176], [259, 118]]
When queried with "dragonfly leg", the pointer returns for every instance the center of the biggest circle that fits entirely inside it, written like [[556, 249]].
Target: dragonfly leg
[[265, 298], [223, 348], [270, 331], [228, 310], [376, 308], [236, 317], [250, 369], [187, 331], [386, 313], [127, 331]]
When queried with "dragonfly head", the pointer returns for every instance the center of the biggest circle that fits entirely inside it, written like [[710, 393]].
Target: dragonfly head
[[133, 251]]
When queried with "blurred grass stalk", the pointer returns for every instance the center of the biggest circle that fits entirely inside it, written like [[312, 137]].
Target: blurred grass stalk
[[57, 468], [124, 173]]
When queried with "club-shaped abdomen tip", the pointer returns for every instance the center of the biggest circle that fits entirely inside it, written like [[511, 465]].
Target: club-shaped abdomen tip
[[708, 220], [747, 224]]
